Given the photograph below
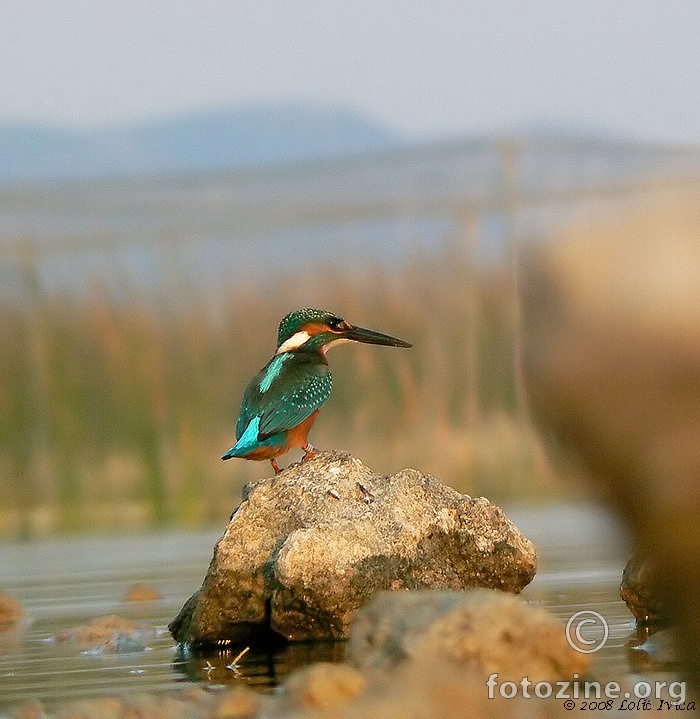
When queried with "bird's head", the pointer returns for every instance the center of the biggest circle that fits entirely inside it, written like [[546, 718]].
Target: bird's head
[[316, 330]]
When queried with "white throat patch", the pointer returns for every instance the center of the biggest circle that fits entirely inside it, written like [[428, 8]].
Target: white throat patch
[[335, 343], [294, 342]]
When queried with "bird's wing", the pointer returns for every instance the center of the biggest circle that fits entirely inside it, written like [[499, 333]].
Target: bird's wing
[[310, 393], [299, 387]]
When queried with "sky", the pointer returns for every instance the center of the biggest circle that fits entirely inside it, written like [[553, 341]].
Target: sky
[[428, 69]]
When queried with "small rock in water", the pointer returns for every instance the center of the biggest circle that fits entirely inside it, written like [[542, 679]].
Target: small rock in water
[[109, 634], [141, 592], [238, 703], [307, 548], [30, 709], [323, 686], [11, 611], [639, 590], [119, 643]]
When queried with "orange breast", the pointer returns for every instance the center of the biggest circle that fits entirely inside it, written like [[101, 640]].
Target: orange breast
[[295, 437]]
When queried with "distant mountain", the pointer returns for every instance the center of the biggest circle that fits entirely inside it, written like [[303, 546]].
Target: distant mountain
[[226, 139]]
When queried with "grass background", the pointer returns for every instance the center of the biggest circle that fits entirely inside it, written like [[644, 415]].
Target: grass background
[[114, 411]]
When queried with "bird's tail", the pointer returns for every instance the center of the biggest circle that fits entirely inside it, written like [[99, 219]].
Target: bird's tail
[[235, 451], [246, 442]]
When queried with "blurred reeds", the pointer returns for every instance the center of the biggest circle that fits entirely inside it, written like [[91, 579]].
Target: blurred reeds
[[116, 403], [114, 411]]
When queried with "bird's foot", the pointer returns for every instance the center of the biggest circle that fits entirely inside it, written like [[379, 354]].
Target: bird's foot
[[309, 451], [275, 466]]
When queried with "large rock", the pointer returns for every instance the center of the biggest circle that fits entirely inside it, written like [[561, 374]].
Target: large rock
[[306, 549]]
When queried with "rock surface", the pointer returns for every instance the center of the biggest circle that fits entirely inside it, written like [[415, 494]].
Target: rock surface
[[306, 549], [482, 631], [639, 590]]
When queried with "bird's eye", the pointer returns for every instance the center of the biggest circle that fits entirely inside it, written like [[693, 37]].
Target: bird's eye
[[335, 323]]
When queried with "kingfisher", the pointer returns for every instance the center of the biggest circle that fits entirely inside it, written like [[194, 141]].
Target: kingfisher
[[283, 400]]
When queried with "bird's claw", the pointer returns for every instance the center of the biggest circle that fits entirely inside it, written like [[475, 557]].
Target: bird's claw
[[309, 451]]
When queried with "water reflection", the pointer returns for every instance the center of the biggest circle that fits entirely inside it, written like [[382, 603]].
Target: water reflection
[[262, 667]]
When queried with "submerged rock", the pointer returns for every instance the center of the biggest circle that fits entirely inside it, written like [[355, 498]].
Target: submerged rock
[[307, 548], [142, 592], [109, 634]]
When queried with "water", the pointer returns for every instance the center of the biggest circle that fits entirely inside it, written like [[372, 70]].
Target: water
[[65, 582], [209, 229]]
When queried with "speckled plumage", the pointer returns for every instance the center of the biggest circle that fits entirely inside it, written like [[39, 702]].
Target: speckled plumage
[[301, 386], [281, 402]]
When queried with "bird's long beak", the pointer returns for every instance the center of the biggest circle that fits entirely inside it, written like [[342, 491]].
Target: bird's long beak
[[360, 334]]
